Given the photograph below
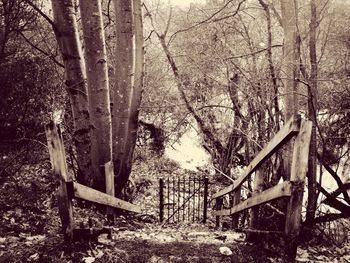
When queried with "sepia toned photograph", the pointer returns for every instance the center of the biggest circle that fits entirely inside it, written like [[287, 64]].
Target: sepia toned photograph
[[174, 131]]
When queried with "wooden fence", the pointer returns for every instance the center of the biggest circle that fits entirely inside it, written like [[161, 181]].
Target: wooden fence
[[183, 199], [69, 189], [293, 188]]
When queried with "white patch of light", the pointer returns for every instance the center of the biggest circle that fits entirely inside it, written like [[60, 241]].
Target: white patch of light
[[185, 3], [57, 116], [188, 151]]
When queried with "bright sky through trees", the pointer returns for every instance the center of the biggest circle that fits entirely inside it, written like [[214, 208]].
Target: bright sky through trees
[[185, 3]]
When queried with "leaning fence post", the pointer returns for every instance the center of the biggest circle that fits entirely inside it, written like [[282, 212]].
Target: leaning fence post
[[205, 200], [59, 166], [161, 199], [298, 174]]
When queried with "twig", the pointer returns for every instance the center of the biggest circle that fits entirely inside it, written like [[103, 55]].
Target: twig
[[207, 19], [50, 56], [253, 53], [222, 173], [37, 9]]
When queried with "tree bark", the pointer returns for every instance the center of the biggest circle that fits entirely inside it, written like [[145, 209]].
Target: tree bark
[[98, 89], [271, 65], [136, 94], [122, 92], [291, 54], [129, 86], [290, 70], [66, 31], [312, 110]]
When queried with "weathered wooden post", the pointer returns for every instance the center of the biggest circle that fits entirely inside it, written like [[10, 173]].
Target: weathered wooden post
[[236, 196], [218, 206], [59, 166], [161, 199], [258, 187], [109, 175], [205, 200], [298, 174]]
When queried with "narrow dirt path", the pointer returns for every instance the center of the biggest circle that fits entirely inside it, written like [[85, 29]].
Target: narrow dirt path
[[183, 244]]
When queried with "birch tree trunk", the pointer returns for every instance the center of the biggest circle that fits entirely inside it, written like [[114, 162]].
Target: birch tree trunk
[[123, 87], [97, 79], [136, 95], [66, 32]]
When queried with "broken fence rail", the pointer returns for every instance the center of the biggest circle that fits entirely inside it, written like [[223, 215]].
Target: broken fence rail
[[68, 189]]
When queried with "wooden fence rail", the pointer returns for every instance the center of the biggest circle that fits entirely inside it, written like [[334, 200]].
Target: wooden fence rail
[[69, 189], [293, 189]]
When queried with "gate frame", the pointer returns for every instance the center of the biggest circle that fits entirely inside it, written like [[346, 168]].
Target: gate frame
[[162, 204]]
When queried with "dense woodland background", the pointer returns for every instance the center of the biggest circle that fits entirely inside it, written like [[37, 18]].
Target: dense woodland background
[[128, 79]]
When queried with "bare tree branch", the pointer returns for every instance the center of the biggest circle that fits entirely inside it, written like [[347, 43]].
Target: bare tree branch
[[50, 56], [207, 20], [40, 12], [336, 178], [168, 22], [333, 202], [277, 15], [330, 217], [253, 53]]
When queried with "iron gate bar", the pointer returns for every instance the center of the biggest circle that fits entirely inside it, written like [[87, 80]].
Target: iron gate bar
[[194, 199], [161, 199], [189, 191], [205, 203], [199, 201], [173, 208], [178, 199], [168, 195], [183, 193]]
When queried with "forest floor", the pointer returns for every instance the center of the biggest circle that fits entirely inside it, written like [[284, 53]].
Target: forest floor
[[30, 232]]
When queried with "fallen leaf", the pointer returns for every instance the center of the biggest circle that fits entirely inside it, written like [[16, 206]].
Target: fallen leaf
[[37, 238], [88, 259], [99, 253], [225, 251], [34, 257], [103, 239]]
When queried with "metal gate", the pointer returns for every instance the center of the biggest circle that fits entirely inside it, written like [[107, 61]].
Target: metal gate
[[183, 198]]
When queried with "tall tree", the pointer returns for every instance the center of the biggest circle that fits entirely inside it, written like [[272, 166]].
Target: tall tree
[[312, 112], [290, 68], [128, 86], [98, 87], [66, 31], [291, 55], [136, 93], [123, 87]]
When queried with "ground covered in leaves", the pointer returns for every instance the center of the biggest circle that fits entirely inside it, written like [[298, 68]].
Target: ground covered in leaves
[[30, 231]]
